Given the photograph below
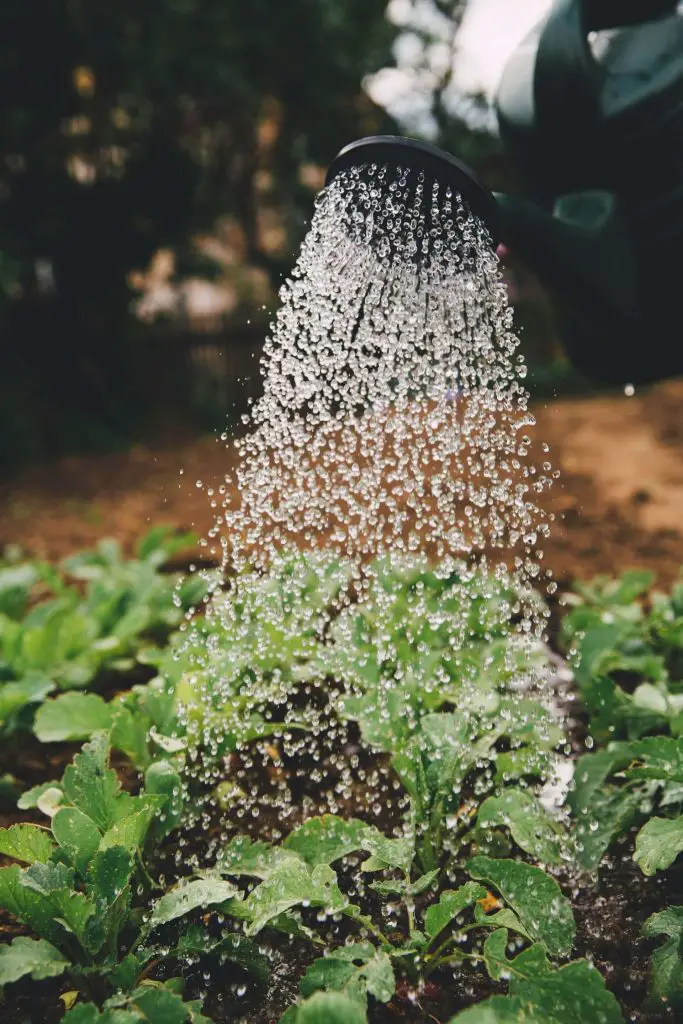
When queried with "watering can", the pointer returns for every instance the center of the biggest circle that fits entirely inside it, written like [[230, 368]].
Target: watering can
[[590, 109]]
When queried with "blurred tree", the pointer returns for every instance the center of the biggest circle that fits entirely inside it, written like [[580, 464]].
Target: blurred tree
[[130, 125]]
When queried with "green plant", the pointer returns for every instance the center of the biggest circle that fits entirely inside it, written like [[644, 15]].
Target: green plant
[[422, 638], [627, 653], [435, 927], [65, 641], [87, 894]]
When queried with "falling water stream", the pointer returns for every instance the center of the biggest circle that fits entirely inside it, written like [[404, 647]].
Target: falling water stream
[[393, 425]]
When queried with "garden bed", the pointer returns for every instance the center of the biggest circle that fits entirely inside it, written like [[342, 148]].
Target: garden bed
[[487, 890]]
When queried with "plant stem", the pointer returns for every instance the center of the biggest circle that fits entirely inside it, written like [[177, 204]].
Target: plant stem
[[146, 877], [457, 958], [369, 924]]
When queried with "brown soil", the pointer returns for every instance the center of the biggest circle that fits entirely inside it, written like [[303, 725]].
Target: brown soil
[[619, 500]]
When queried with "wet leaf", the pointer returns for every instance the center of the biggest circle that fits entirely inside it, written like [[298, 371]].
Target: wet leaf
[[55, 884], [27, 843], [451, 903], [666, 977], [93, 787], [162, 780], [327, 838], [658, 844], [386, 852], [357, 969], [504, 918], [537, 899], [129, 734], [574, 994], [109, 872], [130, 831], [531, 826], [189, 896], [330, 1008], [243, 856], [399, 887], [236, 948], [159, 1006], [500, 1010], [602, 812], [25, 956], [77, 835], [657, 757], [293, 883]]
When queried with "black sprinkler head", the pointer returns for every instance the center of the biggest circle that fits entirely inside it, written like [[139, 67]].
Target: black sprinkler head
[[397, 152]]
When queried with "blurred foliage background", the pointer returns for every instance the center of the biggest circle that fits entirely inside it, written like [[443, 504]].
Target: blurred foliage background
[[152, 150]]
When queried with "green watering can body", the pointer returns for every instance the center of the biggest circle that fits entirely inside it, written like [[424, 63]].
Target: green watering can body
[[590, 109]]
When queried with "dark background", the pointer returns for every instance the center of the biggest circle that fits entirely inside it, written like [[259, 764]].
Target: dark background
[[198, 129]]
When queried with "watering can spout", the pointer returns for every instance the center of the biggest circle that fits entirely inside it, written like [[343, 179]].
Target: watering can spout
[[581, 252]]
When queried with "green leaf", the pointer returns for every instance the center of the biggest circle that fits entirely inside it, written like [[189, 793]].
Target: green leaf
[[163, 541], [451, 903], [30, 797], [658, 844], [610, 815], [327, 838], [25, 956], [379, 977], [43, 897], [77, 835], [88, 1013], [504, 918], [500, 1010], [16, 582], [666, 977], [242, 856], [109, 872], [28, 906], [335, 973], [188, 896], [293, 883], [159, 1006], [32, 689], [162, 780], [330, 1008], [574, 994], [27, 843], [72, 716], [399, 887], [531, 826], [387, 853], [150, 1003], [130, 831], [236, 948], [357, 969], [93, 787], [657, 757], [129, 734], [536, 898], [54, 882]]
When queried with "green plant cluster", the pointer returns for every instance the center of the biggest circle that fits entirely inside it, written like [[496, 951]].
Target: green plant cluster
[[64, 629], [478, 874], [627, 647]]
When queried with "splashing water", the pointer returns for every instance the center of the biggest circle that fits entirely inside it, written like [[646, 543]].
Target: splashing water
[[393, 431]]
